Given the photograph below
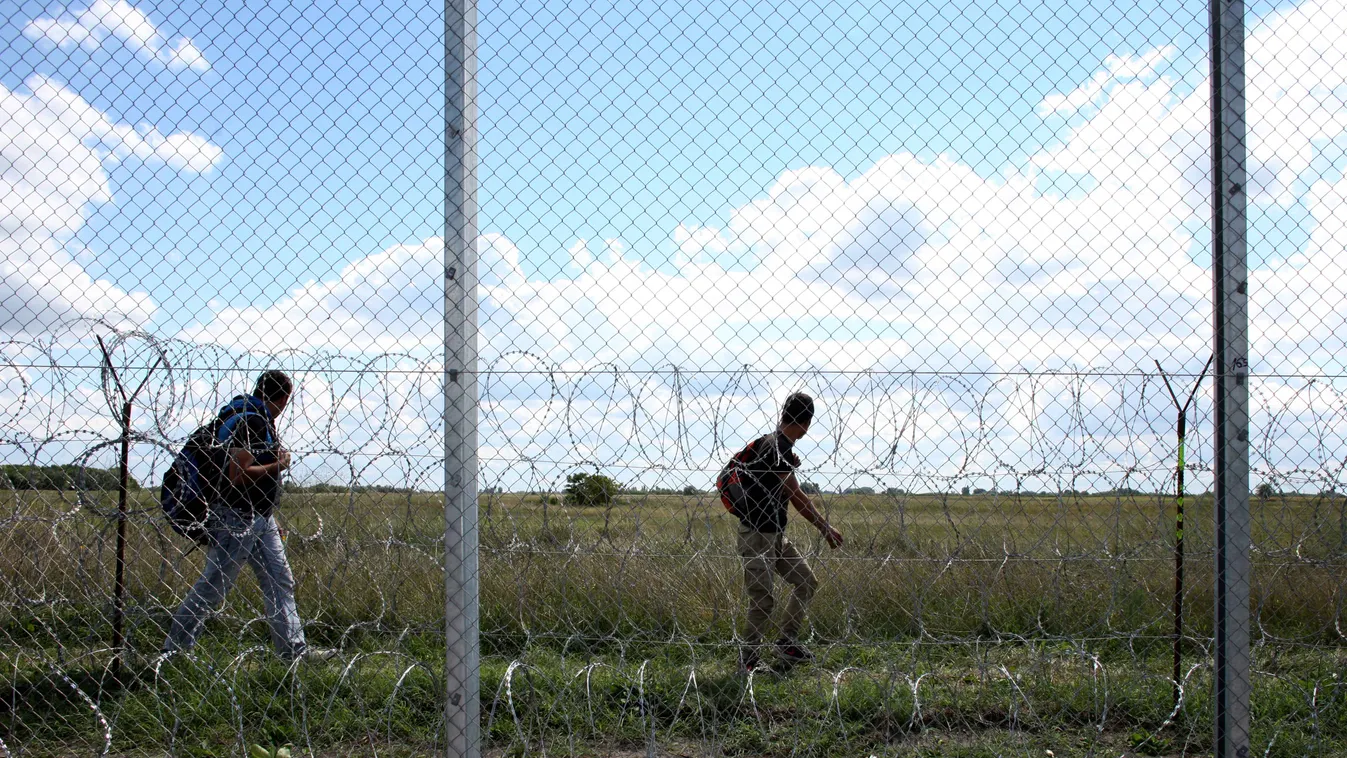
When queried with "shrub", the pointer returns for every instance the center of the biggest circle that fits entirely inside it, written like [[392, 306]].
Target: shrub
[[809, 488], [590, 490], [65, 478]]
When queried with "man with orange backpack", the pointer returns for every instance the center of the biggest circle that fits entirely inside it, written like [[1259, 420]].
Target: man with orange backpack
[[756, 486]]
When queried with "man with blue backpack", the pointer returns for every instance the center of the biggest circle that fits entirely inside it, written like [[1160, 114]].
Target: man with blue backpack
[[229, 475]]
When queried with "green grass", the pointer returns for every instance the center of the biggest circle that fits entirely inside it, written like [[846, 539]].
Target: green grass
[[1032, 623], [971, 699]]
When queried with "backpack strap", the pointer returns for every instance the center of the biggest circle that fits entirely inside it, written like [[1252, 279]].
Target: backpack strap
[[230, 412], [741, 458], [737, 467]]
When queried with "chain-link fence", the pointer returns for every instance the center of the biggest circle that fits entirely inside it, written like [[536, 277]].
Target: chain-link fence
[[213, 191], [981, 236]]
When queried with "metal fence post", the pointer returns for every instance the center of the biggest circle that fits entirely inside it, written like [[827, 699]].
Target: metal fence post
[[119, 581], [123, 488], [462, 682], [1230, 326], [1181, 433]]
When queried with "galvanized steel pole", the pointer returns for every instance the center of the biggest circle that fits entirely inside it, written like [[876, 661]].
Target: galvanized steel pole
[[1230, 333], [462, 682]]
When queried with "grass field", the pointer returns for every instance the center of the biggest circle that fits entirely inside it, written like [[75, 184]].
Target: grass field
[[986, 624]]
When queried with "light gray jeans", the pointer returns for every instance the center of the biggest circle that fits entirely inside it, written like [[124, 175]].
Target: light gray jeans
[[239, 539]]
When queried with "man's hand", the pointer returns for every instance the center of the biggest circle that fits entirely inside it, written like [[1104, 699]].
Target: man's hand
[[806, 508], [833, 536], [244, 468]]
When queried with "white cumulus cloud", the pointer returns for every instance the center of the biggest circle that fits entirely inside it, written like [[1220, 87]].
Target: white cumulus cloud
[[389, 301], [1082, 257], [1117, 68], [1088, 254], [90, 27], [54, 147]]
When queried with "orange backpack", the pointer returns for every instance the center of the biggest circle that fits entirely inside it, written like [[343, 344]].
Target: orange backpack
[[730, 482]]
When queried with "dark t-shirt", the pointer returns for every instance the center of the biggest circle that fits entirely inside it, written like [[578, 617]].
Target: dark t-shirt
[[251, 431], [766, 463]]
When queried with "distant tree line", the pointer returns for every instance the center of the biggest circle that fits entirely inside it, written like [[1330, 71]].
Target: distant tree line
[[581, 489], [61, 478], [322, 488], [688, 490]]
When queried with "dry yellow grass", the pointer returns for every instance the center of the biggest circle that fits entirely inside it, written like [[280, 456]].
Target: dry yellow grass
[[660, 565]]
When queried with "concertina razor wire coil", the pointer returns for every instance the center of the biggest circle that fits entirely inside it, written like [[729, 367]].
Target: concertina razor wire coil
[[968, 230]]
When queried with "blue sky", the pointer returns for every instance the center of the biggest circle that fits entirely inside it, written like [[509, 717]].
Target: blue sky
[[953, 186], [318, 168], [620, 122], [646, 116]]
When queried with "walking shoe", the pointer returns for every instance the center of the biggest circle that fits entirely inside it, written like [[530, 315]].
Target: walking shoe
[[312, 655], [792, 652], [748, 660]]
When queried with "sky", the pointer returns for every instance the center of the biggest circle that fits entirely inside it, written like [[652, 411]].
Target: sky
[[967, 188]]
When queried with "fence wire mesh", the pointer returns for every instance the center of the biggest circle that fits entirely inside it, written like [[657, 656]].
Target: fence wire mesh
[[977, 234]]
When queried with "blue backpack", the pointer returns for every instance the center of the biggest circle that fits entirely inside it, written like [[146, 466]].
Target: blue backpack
[[195, 480]]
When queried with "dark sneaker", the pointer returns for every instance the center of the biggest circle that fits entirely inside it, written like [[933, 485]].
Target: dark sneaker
[[748, 660], [793, 653]]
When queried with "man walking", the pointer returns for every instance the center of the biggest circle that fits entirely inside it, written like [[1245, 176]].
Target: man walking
[[756, 486], [242, 528]]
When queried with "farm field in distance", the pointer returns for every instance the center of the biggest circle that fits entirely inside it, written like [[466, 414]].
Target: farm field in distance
[[951, 624]]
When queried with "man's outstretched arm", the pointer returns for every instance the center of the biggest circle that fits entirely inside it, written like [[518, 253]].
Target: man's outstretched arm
[[805, 506]]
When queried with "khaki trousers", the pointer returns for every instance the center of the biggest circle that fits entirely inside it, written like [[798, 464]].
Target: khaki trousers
[[765, 554]]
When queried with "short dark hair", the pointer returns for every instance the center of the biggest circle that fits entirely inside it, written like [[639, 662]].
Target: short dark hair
[[273, 385], [798, 409]]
